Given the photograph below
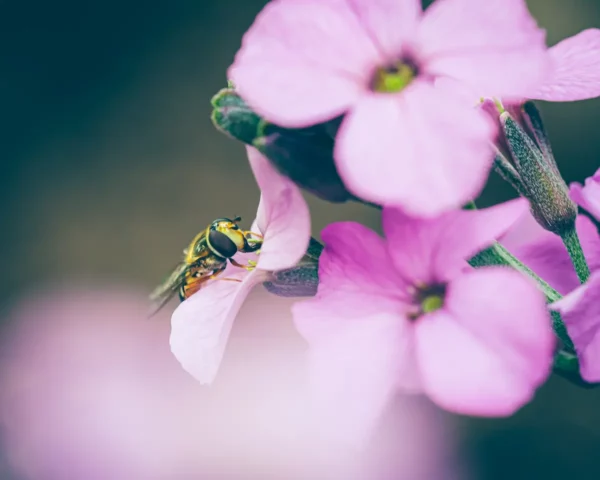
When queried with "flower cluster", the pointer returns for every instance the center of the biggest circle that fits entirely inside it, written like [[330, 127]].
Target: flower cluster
[[408, 110]]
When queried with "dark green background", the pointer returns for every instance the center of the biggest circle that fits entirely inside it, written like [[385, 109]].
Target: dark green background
[[109, 164]]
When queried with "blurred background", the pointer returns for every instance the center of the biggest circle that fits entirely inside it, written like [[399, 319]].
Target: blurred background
[[109, 165]]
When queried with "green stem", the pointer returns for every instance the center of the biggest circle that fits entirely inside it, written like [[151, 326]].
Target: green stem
[[571, 241], [498, 255], [565, 361]]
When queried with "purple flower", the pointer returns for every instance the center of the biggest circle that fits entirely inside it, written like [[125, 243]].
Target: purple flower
[[575, 73], [580, 310], [587, 196], [201, 324], [406, 313], [387, 66]]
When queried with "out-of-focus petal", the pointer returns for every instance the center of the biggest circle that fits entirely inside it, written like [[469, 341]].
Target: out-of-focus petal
[[303, 62], [493, 45], [580, 310], [200, 326], [575, 73], [434, 250], [359, 355], [283, 217], [587, 196], [426, 141], [489, 348], [390, 23], [545, 254], [355, 262]]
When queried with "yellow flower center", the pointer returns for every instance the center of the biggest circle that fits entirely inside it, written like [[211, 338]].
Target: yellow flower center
[[432, 303], [427, 299], [394, 78]]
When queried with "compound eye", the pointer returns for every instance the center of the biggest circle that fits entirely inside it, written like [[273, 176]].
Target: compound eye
[[222, 244]]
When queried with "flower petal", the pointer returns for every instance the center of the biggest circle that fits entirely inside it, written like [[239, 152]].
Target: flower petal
[[303, 62], [435, 250], [545, 254], [490, 347], [575, 71], [493, 45], [359, 355], [397, 149], [355, 261], [390, 23], [200, 326], [588, 196], [283, 217], [580, 311]]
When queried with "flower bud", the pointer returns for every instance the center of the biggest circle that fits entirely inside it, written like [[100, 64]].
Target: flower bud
[[542, 184], [302, 280], [232, 116], [304, 155]]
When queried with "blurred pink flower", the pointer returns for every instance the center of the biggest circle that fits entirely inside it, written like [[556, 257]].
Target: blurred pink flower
[[587, 196], [90, 391], [201, 324], [580, 310], [405, 314], [575, 73], [378, 62]]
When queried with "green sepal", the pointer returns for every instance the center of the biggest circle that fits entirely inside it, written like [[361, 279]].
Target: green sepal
[[532, 118], [567, 366]]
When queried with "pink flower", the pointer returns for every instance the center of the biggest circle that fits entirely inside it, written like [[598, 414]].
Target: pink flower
[[545, 254], [580, 310], [89, 391], [575, 73], [588, 196], [201, 324], [404, 313], [377, 61]]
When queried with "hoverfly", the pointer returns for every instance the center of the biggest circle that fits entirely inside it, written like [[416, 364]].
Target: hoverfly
[[205, 258]]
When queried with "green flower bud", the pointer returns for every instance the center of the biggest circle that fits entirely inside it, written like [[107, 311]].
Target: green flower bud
[[233, 117], [541, 184], [304, 155]]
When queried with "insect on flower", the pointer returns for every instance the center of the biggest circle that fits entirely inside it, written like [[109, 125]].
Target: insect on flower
[[205, 258]]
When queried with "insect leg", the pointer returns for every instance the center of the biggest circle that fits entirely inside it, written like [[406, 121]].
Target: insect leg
[[251, 265], [194, 281], [253, 241]]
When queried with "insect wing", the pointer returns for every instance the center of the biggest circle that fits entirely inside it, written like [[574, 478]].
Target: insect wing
[[165, 291]]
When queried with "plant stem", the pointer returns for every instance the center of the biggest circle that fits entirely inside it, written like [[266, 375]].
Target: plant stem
[[571, 241], [498, 255], [565, 361]]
